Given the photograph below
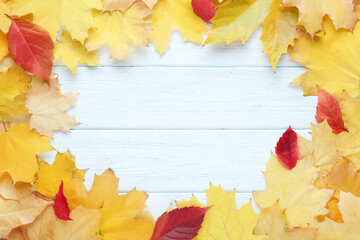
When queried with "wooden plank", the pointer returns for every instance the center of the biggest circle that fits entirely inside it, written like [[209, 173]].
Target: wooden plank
[[158, 202], [188, 98], [182, 53], [174, 160]]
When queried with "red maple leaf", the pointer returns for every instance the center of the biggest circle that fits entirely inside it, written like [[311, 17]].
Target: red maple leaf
[[328, 108], [179, 224], [61, 207], [31, 47], [287, 149]]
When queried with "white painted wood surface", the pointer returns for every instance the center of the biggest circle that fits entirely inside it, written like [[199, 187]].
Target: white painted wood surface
[[170, 124]]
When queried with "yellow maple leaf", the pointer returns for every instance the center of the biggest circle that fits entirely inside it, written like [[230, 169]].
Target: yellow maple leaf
[[4, 20], [18, 206], [294, 190], [271, 224], [48, 106], [237, 19], [349, 206], [72, 51], [223, 220], [84, 225], [169, 15], [19, 146], [52, 14], [123, 5], [279, 31], [13, 85], [121, 215], [3, 45], [311, 13], [63, 169], [120, 31], [332, 68]]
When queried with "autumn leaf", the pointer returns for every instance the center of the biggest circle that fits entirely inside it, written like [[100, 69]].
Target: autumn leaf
[[13, 85], [295, 192], [123, 5], [84, 225], [311, 13], [287, 149], [349, 206], [4, 20], [328, 108], [49, 177], [19, 147], [223, 218], [72, 51], [204, 9], [6, 63], [75, 16], [31, 47], [61, 207], [181, 224], [271, 224], [131, 29], [18, 206], [279, 31], [3, 45], [48, 107], [122, 215], [237, 19], [169, 15], [332, 68]]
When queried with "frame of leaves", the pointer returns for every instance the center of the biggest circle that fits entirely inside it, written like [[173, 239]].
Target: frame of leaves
[[312, 185]]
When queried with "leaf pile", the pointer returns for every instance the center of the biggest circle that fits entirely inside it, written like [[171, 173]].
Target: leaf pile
[[313, 186]]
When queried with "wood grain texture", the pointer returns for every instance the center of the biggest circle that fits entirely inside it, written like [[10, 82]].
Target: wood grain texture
[[170, 124]]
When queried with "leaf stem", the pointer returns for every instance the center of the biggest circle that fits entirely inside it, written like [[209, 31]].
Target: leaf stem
[[4, 126]]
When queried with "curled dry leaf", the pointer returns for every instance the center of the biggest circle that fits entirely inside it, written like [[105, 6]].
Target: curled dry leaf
[[179, 224], [48, 107], [31, 47]]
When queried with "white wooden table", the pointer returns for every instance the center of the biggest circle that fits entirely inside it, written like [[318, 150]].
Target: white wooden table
[[169, 124]]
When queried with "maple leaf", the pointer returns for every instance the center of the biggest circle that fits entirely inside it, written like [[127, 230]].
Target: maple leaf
[[120, 31], [75, 16], [61, 207], [287, 149], [4, 20], [47, 226], [72, 51], [19, 148], [349, 206], [333, 69], [223, 220], [122, 215], [172, 15], [271, 224], [18, 206], [3, 45], [237, 19], [345, 177], [204, 9], [63, 170], [13, 85], [311, 13], [31, 47], [48, 106], [279, 31], [181, 224], [294, 189], [328, 108], [123, 5]]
